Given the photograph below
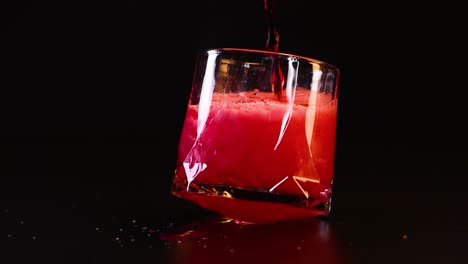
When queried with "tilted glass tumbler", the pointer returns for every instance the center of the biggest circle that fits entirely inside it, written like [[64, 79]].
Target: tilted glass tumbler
[[258, 140]]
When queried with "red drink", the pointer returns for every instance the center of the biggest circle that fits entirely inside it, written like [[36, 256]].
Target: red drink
[[253, 158]]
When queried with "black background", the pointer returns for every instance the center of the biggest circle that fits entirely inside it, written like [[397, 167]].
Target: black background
[[93, 95]]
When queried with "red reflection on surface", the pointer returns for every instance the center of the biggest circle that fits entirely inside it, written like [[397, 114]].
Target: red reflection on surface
[[220, 240]]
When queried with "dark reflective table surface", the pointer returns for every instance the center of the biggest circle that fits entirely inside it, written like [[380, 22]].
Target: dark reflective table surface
[[106, 200]]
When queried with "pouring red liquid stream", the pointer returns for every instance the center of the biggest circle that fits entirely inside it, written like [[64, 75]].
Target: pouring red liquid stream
[[272, 44]]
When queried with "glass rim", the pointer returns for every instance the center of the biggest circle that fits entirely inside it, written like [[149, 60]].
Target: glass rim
[[267, 52]]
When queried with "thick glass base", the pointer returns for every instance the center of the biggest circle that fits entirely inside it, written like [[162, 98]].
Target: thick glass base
[[247, 206]]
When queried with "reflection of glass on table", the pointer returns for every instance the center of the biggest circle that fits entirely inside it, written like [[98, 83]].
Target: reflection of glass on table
[[215, 239]]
